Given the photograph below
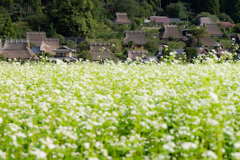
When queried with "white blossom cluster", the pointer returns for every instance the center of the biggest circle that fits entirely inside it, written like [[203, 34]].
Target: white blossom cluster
[[119, 111]]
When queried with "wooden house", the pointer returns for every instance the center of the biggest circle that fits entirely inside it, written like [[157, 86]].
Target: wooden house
[[134, 54], [36, 37], [63, 53], [122, 18], [101, 51], [14, 49], [171, 30], [138, 37]]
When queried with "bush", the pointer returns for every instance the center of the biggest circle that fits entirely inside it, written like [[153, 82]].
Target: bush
[[83, 46], [151, 46], [177, 45], [85, 55], [173, 23], [2, 57], [171, 38], [191, 53], [226, 35]]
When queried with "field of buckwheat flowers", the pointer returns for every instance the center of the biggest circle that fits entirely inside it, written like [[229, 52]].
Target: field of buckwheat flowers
[[119, 111]]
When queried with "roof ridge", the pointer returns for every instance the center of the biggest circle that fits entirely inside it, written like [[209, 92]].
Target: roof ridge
[[99, 44]]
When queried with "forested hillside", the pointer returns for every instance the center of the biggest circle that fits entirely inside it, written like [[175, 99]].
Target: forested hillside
[[86, 17]]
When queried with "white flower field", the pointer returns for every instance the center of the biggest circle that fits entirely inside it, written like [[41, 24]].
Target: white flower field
[[119, 111]]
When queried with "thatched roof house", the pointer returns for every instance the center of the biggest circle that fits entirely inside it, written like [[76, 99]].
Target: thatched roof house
[[95, 49], [134, 54], [207, 41], [170, 30], [18, 49], [36, 37], [160, 19], [122, 18], [226, 24], [137, 36], [213, 29], [48, 45], [204, 20]]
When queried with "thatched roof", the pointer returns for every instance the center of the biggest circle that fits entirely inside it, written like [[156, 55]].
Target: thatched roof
[[207, 41], [48, 45], [160, 19], [134, 54], [213, 29], [18, 48], [36, 37], [170, 30], [204, 20], [95, 49], [137, 36], [122, 18], [0, 44]]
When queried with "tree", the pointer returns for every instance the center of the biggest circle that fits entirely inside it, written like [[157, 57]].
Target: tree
[[51, 32], [232, 9], [83, 46], [131, 7], [236, 28], [75, 18], [8, 29], [2, 58], [171, 38], [213, 18], [212, 6], [131, 44], [70, 44], [34, 21], [155, 21], [151, 46], [176, 10], [198, 32], [191, 53], [133, 28], [85, 55]]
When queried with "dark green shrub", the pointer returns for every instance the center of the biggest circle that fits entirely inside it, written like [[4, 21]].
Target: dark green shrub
[[151, 46], [2, 57], [191, 53], [171, 38]]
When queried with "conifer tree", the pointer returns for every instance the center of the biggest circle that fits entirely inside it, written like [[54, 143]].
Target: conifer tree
[[8, 29], [133, 27], [52, 31]]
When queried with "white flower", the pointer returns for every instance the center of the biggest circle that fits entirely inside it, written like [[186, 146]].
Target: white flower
[[57, 91], [87, 145], [2, 154], [236, 155], [39, 154], [210, 154], [1, 120], [237, 145], [169, 146], [188, 145], [212, 122], [213, 96]]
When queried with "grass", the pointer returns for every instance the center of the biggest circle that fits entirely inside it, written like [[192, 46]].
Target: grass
[[147, 111]]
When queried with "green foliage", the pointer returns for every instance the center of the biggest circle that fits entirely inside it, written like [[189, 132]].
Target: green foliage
[[226, 35], [177, 45], [34, 21], [173, 23], [51, 32], [213, 18], [133, 26], [226, 44], [131, 43], [191, 53], [171, 38], [212, 6], [75, 18], [198, 32], [149, 33], [115, 26], [83, 46], [8, 29], [85, 55], [151, 46], [129, 6], [155, 21], [225, 18], [236, 28], [32, 45], [2, 57], [70, 44], [60, 37], [138, 21], [176, 10]]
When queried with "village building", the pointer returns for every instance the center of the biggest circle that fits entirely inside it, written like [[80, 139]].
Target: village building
[[204, 20], [49, 44], [201, 49], [213, 29], [0, 44], [160, 19], [18, 49], [137, 53], [226, 24], [206, 41], [36, 37], [138, 37], [63, 53], [171, 30], [122, 18], [178, 20], [101, 51]]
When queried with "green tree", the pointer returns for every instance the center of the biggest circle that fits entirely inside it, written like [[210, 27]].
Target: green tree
[[8, 29], [34, 21], [131, 7], [212, 6], [176, 10], [131, 44], [151, 46], [155, 21], [70, 44], [213, 18], [232, 9], [85, 55], [133, 26], [51, 32], [171, 38], [75, 18], [236, 28], [198, 32], [83, 46], [191, 53], [2, 58]]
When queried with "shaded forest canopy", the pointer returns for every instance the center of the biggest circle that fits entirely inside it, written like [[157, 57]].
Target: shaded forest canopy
[[85, 17]]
